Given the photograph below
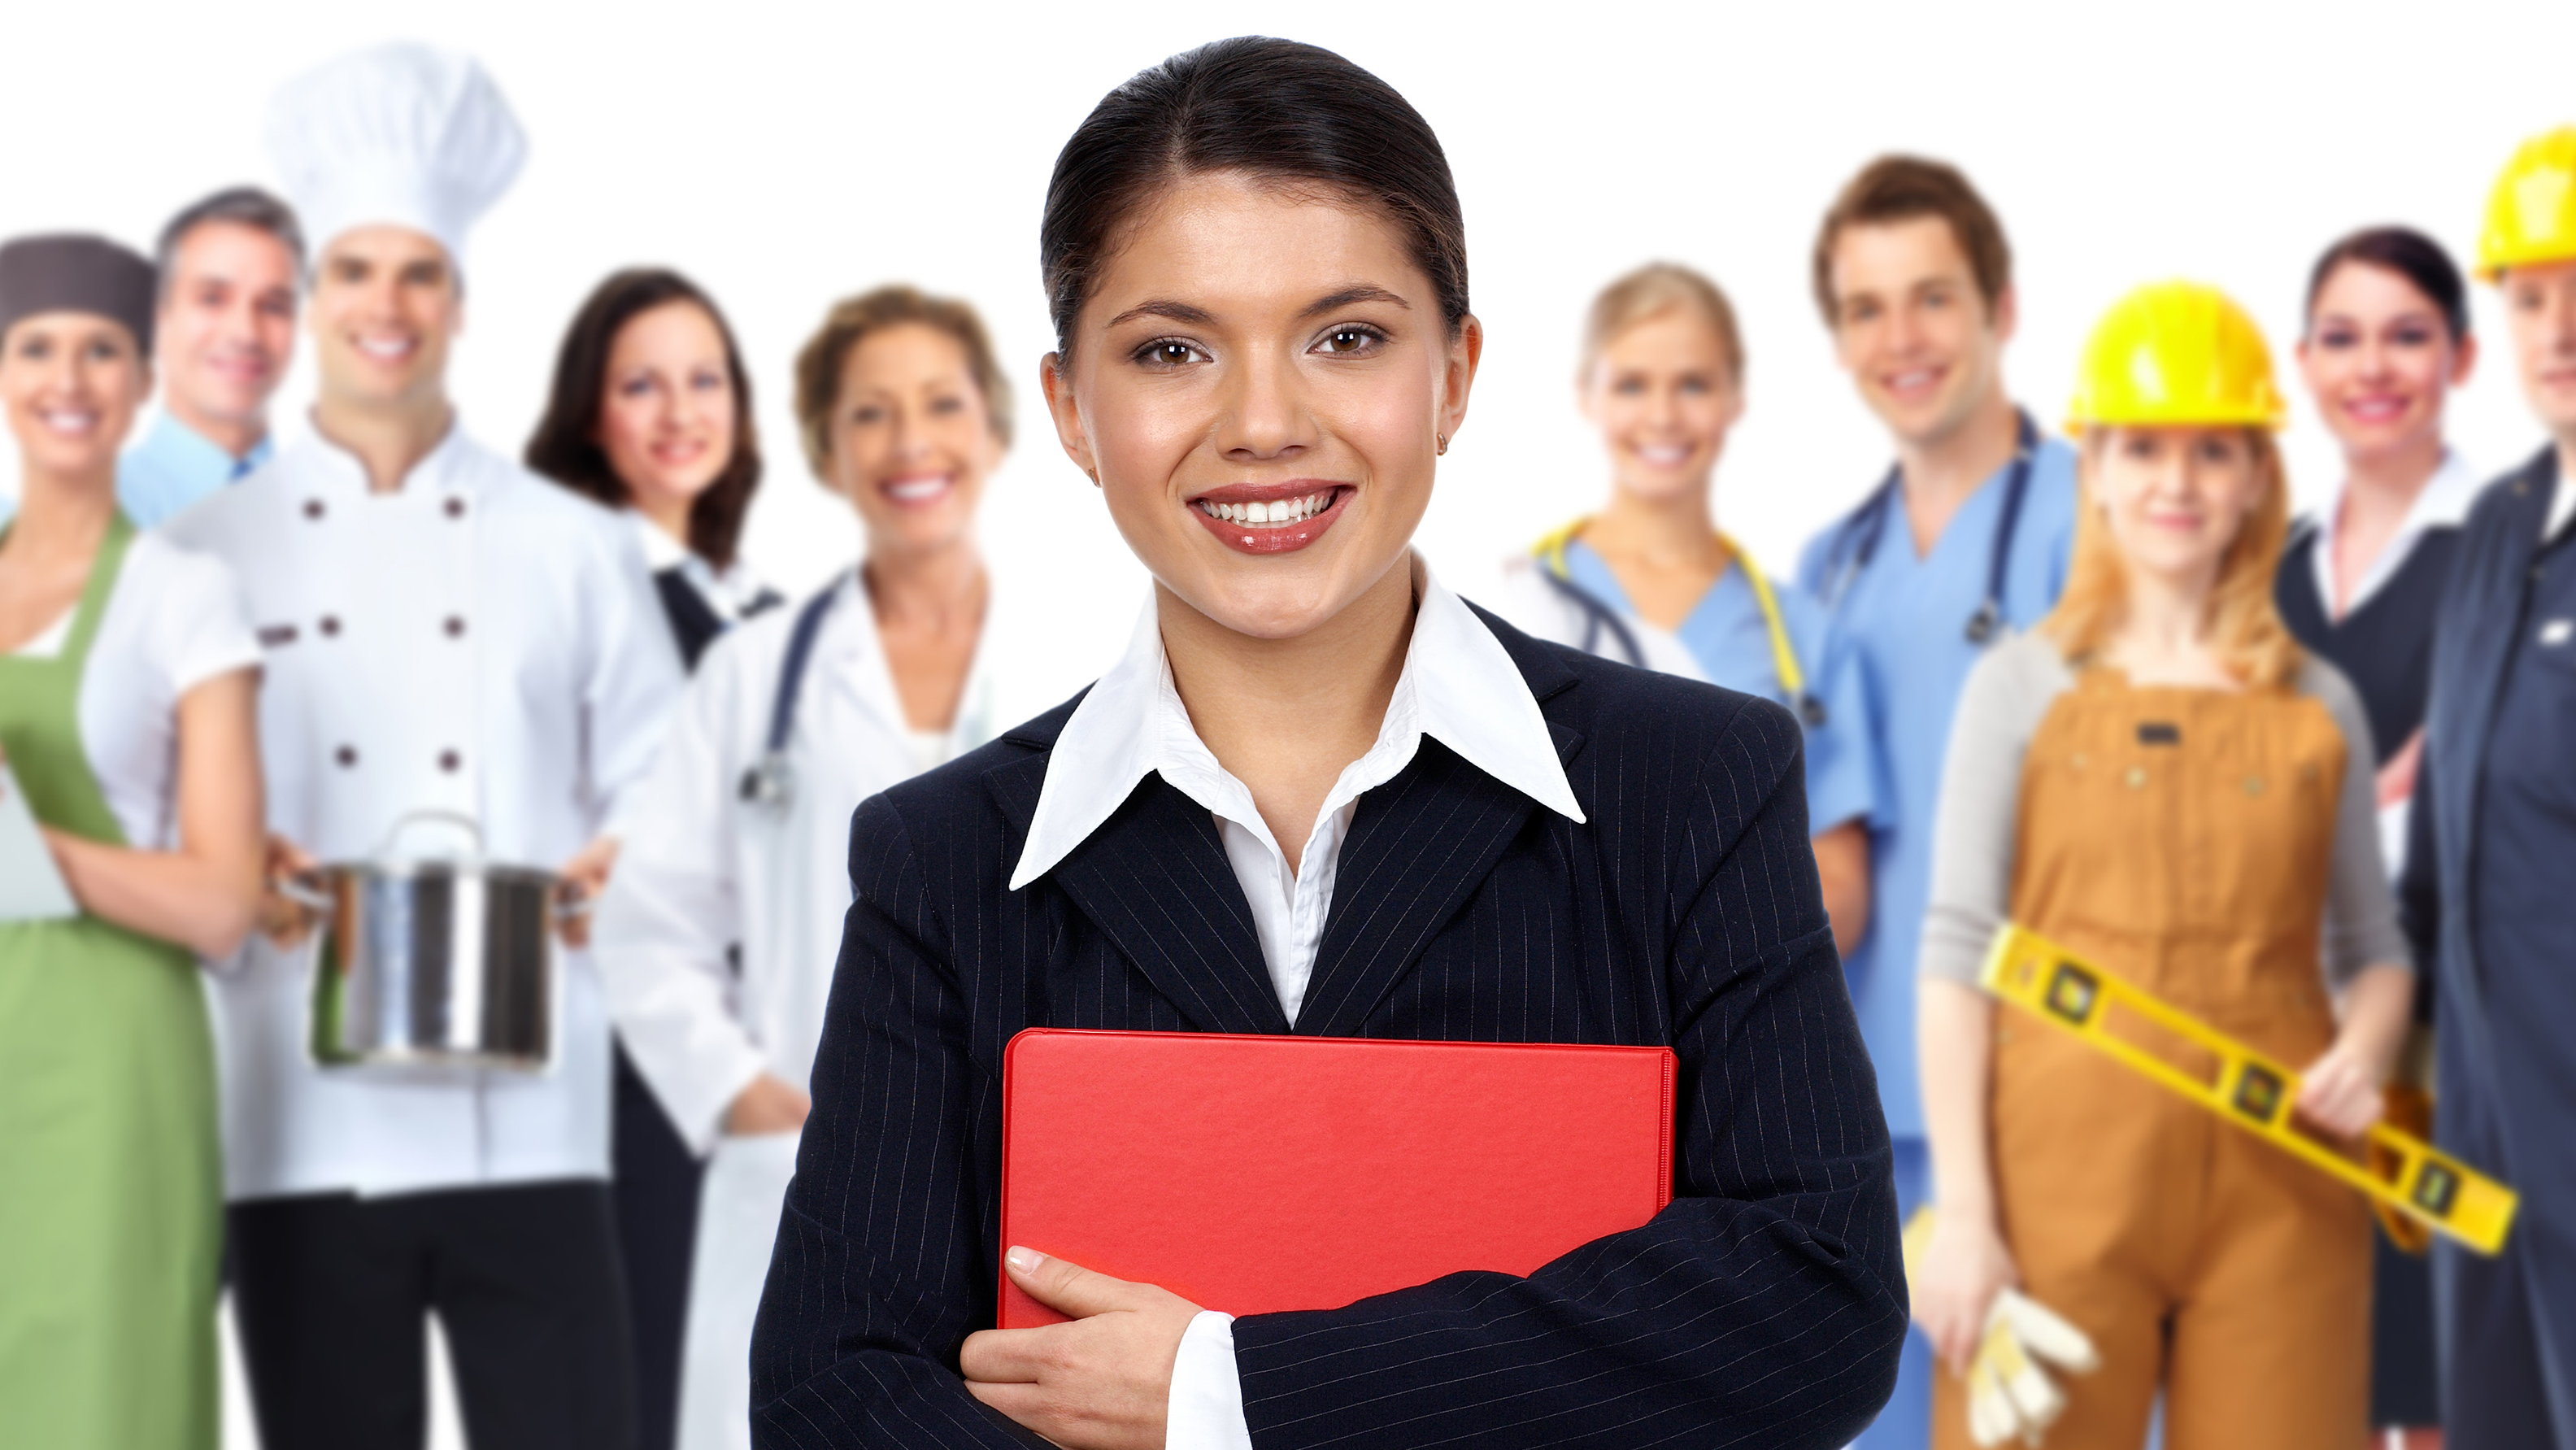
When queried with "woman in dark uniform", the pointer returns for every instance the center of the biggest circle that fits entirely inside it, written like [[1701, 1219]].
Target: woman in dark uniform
[[651, 415], [1322, 795], [2387, 339]]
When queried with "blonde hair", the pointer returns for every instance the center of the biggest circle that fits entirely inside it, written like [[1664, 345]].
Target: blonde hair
[[1651, 291], [826, 355], [2251, 640]]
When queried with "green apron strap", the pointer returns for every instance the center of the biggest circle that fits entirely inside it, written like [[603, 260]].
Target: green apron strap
[[104, 570], [40, 710]]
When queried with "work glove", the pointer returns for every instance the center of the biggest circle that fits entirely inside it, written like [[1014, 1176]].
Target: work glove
[[2009, 1395]]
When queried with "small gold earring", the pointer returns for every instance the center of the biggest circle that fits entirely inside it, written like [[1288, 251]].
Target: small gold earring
[[1439, 445]]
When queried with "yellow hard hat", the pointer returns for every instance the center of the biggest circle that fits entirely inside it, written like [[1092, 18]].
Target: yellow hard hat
[[2175, 354], [2531, 214]]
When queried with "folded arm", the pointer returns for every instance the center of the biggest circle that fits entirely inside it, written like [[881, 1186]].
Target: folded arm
[[204, 894]]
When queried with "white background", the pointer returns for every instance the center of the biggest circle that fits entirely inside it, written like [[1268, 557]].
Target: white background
[[786, 155]]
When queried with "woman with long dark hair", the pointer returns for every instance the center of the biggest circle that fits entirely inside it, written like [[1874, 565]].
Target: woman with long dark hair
[[1321, 794], [651, 416]]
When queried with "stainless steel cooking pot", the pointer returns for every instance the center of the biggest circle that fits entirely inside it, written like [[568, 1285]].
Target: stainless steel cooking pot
[[434, 961]]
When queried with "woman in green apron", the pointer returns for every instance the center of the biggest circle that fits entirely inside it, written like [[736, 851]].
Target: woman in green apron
[[127, 680]]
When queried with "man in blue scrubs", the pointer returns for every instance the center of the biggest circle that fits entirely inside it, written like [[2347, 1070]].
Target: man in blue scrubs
[[1967, 537], [2492, 853], [224, 334]]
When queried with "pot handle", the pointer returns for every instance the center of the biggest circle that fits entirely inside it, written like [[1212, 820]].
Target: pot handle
[[303, 891], [471, 826]]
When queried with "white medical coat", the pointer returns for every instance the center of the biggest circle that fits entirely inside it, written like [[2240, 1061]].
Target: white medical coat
[[720, 932]]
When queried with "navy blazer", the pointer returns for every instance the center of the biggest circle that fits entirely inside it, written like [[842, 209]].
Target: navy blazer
[[1765, 1306]]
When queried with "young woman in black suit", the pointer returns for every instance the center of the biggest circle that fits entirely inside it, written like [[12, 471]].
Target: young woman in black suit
[[1322, 795]]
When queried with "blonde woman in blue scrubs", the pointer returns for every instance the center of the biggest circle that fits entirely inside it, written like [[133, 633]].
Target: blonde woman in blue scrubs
[[1651, 580]]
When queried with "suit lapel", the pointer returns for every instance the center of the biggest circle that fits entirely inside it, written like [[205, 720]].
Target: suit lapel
[[1419, 846], [1155, 880]]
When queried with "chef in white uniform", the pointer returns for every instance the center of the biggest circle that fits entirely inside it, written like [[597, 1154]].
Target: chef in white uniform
[[441, 631], [793, 718]]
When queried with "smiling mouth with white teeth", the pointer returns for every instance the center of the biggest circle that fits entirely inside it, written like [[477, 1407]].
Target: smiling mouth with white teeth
[[1298, 513], [1276, 512], [914, 489], [67, 420]]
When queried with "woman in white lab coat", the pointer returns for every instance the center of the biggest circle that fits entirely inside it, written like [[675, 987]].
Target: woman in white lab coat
[[793, 719]]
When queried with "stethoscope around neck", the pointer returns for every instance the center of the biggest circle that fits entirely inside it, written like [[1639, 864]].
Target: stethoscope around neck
[[1855, 543], [1598, 616], [771, 782]]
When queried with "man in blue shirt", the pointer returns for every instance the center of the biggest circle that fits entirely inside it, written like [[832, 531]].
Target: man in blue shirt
[[1967, 537], [230, 265]]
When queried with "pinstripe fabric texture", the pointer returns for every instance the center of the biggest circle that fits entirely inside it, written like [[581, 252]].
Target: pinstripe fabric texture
[[1765, 1306]]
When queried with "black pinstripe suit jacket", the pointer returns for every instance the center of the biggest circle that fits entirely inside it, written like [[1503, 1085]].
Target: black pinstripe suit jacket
[[1763, 1307]]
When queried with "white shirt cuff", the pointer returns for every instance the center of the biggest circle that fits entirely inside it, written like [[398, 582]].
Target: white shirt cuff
[[1206, 1408]]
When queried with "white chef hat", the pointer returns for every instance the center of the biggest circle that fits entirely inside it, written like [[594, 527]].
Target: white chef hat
[[400, 135]]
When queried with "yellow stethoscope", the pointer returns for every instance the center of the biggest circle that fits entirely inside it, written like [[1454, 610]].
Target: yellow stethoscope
[[1550, 552]]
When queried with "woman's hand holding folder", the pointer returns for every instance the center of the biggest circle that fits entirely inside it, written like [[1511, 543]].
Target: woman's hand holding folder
[[1100, 1381]]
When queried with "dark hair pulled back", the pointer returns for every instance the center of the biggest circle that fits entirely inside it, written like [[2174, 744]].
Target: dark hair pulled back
[[565, 446], [2411, 255], [1275, 110]]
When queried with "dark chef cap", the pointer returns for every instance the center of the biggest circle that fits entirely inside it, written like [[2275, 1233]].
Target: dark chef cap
[[72, 273]]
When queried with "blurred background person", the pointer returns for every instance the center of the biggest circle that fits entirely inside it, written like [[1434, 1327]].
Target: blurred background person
[[231, 267], [2489, 845], [2387, 339], [444, 633], [1652, 581], [1965, 540], [2161, 780], [127, 683], [742, 835], [651, 415]]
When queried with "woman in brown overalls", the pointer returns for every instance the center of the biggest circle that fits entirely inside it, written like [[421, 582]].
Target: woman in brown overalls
[[2159, 780]]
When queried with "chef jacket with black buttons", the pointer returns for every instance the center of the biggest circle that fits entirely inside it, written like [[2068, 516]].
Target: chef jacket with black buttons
[[478, 642]]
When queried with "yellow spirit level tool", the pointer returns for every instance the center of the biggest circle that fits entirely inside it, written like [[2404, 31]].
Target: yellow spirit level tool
[[2250, 1090]]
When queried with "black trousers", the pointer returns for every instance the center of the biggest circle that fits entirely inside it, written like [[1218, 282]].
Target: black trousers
[[332, 1293], [656, 1191]]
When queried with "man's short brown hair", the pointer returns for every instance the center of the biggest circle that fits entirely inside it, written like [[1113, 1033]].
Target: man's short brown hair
[[1901, 188], [827, 353]]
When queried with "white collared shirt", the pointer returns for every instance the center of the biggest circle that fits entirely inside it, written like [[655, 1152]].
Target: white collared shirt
[[729, 592], [1458, 685], [478, 642], [2443, 503]]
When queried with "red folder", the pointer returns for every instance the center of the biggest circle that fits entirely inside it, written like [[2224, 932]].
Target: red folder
[[1255, 1174]]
